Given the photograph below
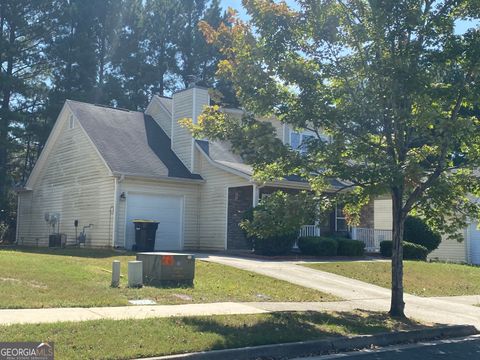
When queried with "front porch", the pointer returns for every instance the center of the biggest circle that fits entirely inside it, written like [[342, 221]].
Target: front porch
[[243, 198], [371, 237]]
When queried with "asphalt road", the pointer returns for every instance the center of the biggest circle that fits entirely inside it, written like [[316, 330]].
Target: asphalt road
[[461, 349]]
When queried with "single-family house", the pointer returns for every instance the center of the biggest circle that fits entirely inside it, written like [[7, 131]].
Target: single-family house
[[103, 167], [466, 251]]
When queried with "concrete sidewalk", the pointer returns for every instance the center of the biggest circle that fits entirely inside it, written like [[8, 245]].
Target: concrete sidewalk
[[31, 316], [362, 295]]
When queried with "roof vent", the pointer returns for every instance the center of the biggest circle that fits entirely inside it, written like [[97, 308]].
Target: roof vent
[[192, 80]]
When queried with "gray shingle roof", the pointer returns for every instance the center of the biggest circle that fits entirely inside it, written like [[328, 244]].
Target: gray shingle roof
[[130, 142], [221, 153]]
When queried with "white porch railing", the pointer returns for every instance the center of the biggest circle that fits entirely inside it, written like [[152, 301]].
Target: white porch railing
[[309, 230], [371, 237]]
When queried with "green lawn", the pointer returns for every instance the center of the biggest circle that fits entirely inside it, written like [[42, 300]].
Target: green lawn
[[420, 278], [126, 339], [37, 278]]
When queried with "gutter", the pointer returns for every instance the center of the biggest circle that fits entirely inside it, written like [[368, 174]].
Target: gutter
[[158, 178], [115, 211]]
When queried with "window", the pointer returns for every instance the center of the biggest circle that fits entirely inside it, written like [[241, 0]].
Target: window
[[340, 220], [298, 141], [295, 140], [303, 145], [71, 122]]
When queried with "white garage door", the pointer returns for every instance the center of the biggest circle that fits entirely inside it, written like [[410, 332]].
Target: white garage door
[[474, 237], [168, 210]]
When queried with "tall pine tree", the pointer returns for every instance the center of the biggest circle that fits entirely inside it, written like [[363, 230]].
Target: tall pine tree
[[24, 30]]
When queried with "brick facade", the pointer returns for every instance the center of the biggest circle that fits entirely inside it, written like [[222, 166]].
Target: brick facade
[[366, 216], [240, 199]]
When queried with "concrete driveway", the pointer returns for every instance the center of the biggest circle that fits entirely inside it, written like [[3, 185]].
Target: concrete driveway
[[358, 294]]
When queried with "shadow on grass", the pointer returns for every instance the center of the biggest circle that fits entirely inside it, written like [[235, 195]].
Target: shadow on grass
[[292, 326], [69, 251]]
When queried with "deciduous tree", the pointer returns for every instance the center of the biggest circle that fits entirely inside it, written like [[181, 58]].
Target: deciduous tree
[[391, 85]]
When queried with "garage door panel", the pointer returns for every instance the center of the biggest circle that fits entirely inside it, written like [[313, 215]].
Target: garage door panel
[[168, 210]]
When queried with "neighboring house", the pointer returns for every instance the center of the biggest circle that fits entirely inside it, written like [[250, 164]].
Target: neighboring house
[[105, 167], [466, 251]]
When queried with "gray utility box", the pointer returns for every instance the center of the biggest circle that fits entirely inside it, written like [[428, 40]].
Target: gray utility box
[[164, 268]]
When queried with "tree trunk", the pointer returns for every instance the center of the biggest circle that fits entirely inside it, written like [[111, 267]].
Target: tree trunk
[[397, 305]]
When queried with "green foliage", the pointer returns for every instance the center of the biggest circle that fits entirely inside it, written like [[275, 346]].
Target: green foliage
[[391, 85], [318, 246], [272, 227], [417, 231], [280, 214], [396, 95], [273, 245], [24, 28], [414, 251], [411, 251], [330, 246], [348, 247]]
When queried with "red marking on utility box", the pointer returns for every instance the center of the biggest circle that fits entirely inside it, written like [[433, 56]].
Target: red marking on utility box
[[167, 260]]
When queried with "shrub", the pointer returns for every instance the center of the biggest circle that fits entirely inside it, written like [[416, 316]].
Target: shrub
[[418, 232], [274, 245], [273, 226], [319, 246], [347, 247], [308, 245], [411, 251]]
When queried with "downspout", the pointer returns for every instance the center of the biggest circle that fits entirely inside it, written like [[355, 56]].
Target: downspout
[[115, 211], [255, 195]]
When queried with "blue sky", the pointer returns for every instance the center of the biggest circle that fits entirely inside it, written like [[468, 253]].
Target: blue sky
[[462, 26]]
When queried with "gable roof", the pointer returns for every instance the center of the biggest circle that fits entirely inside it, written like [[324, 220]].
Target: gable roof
[[166, 102], [130, 142]]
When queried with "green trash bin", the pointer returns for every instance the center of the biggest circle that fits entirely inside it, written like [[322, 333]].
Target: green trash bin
[[145, 231]]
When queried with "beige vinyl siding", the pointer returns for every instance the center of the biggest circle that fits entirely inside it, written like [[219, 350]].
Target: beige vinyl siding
[[186, 104], [213, 203], [160, 115], [75, 183], [181, 138], [382, 214], [190, 210], [277, 124], [450, 250]]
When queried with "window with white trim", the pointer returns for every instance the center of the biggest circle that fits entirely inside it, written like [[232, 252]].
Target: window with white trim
[[340, 220], [71, 122]]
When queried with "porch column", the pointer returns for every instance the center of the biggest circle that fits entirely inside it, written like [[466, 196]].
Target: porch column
[[256, 195]]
